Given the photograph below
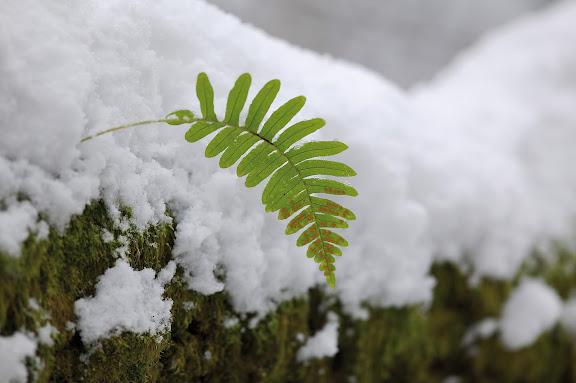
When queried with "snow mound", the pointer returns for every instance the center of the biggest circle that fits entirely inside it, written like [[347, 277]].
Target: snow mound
[[322, 344], [14, 350], [154, 52], [126, 300], [477, 163], [492, 162], [532, 308]]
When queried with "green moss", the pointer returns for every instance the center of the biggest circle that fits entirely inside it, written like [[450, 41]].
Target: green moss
[[392, 346], [410, 344], [61, 269]]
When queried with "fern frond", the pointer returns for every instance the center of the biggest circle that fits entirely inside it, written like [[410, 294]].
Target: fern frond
[[267, 149], [268, 152]]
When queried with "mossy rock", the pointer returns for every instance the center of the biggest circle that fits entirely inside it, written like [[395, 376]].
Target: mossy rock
[[410, 344]]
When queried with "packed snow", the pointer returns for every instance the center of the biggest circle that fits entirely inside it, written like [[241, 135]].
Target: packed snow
[[126, 300], [532, 308], [46, 334], [14, 350], [323, 343], [483, 329], [474, 167], [17, 222]]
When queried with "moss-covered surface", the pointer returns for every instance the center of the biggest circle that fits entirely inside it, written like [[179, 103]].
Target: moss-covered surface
[[394, 345]]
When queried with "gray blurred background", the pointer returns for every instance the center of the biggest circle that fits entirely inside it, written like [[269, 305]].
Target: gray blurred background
[[405, 40]]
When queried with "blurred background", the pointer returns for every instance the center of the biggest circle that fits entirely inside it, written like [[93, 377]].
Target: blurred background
[[405, 40]]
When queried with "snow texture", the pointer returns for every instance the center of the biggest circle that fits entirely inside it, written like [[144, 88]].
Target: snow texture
[[495, 172], [476, 163], [322, 344], [45, 334], [483, 329], [14, 350], [532, 308], [126, 300]]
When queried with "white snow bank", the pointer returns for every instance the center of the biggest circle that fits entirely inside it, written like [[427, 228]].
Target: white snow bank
[[14, 350], [476, 163], [323, 343], [126, 300], [110, 62], [532, 308], [493, 161]]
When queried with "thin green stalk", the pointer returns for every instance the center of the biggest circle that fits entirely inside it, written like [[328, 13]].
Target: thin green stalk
[[121, 127]]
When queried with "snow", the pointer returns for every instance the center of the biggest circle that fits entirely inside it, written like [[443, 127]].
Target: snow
[[14, 350], [532, 308], [417, 37], [483, 329], [126, 300], [323, 343], [474, 167], [107, 236], [45, 334], [230, 322], [16, 223], [495, 172]]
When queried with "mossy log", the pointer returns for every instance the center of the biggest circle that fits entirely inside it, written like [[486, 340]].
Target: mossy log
[[410, 344]]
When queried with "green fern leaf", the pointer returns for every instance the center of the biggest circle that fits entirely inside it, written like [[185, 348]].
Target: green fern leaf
[[295, 173], [266, 147], [205, 95], [201, 129], [321, 185], [315, 149], [260, 105], [296, 132], [322, 167], [237, 98], [223, 140], [180, 117], [281, 117], [237, 149]]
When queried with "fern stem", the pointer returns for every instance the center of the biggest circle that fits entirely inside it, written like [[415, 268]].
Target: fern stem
[[121, 127]]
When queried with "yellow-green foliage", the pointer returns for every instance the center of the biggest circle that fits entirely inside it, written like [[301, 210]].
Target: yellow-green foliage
[[268, 149], [409, 344]]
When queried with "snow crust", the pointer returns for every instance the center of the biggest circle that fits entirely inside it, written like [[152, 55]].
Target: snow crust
[[477, 163], [322, 344], [126, 300], [532, 308], [14, 350]]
